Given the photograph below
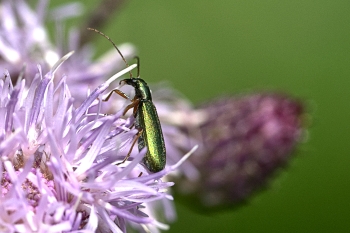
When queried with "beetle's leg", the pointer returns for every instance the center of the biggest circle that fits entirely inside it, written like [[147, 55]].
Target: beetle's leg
[[134, 104], [119, 92], [132, 146]]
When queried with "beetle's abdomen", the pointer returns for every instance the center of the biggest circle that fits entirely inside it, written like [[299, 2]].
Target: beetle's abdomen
[[152, 136]]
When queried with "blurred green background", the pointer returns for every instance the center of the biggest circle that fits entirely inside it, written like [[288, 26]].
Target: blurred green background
[[210, 48]]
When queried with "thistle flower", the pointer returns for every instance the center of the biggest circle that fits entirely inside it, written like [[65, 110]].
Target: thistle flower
[[57, 162], [245, 141], [59, 149]]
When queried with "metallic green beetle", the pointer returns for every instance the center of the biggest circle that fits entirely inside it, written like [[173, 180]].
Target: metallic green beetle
[[150, 133], [147, 122]]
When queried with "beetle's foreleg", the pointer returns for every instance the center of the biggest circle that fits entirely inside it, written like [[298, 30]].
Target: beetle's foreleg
[[119, 92]]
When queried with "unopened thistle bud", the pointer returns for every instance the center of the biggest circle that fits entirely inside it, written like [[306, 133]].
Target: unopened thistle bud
[[246, 140]]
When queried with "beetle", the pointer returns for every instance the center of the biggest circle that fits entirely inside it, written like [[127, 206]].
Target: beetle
[[147, 122]]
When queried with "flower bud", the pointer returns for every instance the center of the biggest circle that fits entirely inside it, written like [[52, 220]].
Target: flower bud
[[246, 140]]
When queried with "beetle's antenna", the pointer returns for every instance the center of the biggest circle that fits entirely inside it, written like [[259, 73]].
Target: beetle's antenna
[[138, 66], [107, 37]]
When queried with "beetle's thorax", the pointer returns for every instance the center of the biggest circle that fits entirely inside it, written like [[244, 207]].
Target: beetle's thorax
[[142, 90]]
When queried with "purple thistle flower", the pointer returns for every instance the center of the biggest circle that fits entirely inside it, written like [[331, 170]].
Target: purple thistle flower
[[245, 140], [58, 162], [58, 148]]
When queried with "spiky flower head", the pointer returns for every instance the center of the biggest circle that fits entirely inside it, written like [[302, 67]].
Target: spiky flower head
[[59, 148], [58, 163]]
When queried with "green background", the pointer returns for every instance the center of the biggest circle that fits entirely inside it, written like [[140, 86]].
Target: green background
[[210, 48]]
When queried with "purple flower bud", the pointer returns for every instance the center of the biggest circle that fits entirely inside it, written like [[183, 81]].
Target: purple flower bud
[[246, 140]]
